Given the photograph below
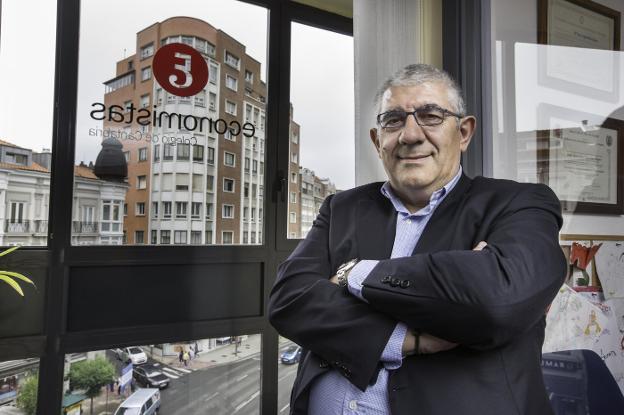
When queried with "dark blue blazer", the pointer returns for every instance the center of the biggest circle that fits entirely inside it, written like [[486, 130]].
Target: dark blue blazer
[[492, 302]]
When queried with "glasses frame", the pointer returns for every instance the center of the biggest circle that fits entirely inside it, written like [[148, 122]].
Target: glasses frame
[[444, 111]]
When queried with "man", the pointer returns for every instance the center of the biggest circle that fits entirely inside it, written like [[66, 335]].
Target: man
[[425, 294]]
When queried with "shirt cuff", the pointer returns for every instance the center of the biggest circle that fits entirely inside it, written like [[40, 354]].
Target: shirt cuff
[[358, 274], [392, 355]]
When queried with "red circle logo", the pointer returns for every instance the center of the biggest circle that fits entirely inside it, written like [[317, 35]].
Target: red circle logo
[[180, 69]]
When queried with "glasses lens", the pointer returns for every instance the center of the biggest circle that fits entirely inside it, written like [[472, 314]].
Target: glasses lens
[[392, 119], [430, 116]]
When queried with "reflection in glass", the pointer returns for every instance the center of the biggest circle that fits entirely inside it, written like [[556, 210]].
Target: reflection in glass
[[215, 376]]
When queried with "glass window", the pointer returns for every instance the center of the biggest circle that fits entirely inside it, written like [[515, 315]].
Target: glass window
[[181, 209], [157, 152], [147, 51], [249, 77], [179, 237], [229, 159], [146, 74], [232, 60], [210, 183], [212, 101], [143, 154], [138, 237], [195, 210], [209, 208], [227, 237], [166, 209], [154, 237], [196, 237], [182, 181], [145, 101], [211, 155], [230, 107], [168, 152], [231, 82], [228, 185], [141, 182], [155, 209], [228, 212], [184, 151], [198, 182], [140, 209], [165, 237], [213, 74], [200, 99]]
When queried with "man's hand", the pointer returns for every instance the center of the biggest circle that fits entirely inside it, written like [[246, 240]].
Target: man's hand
[[428, 343], [334, 279]]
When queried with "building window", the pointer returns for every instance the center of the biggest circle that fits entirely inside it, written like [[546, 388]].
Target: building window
[[196, 237], [261, 191], [198, 182], [231, 82], [145, 101], [261, 168], [249, 77], [165, 237], [211, 156], [212, 101], [246, 191], [182, 181], [140, 209], [157, 153], [17, 212], [147, 51], [168, 152], [228, 185], [229, 135], [227, 212], [166, 210], [245, 213], [210, 183], [128, 106], [184, 151], [293, 217], [179, 237], [138, 237], [209, 210], [208, 237], [294, 157], [245, 238], [146, 73], [143, 154], [253, 214], [232, 60], [254, 169], [154, 212], [181, 209], [213, 74], [141, 182], [159, 96], [259, 220], [293, 177], [253, 237], [293, 197], [127, 156], [125, 209], [295, 138], [262, 122], [200, 99], [227, 237], [230, 107], [195, 210], [247, 164], [253, 190], [154, 238], [247, 112], [111, 215], [229, 159]]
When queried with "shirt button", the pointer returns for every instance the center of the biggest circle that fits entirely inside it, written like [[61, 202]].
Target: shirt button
[[353, 405]]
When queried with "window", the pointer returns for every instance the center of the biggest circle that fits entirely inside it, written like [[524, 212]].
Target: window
[[127, 156], [166, 210], [227, 212], [198, 152], [211, 155], [210, 183], [293, 177], [128, 106], [195, 210], [138, 237], [125, 209], [183, 151], [295, 138], [246, 191], [198, 182], [179, 237], [245, 213], [209, 208], [261, 191], [228, 185], [208, 237], [147, 51], [255, 166], [210, 49], [165, 237], [256, 116], [293, 217], [168, 152], [146, 73], [227, 237], [232, 60], [249, 77], [196, 237], [261, 168], [181, 209], [157, 153], [253, 214], [254, 187], [167, 181], [159, 94], [229, 135], [200, 99], [88, 214], [143, 154], [154, 237], [145, 101], [111, 218], [212, 101], [245, 238], [17, 212], [259, 220], [154, 212], [182, 181], [200, 45], [247, 164], [141, 182], [231, 82], [229, 159], [262, 122], [253, 237], [293, 197], [247, 112], [187, 40], [140, 209], [230, 107], [294, 157], [213, 73]]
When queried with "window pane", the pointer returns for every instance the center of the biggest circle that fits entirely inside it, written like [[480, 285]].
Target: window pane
[[215, 376], [174, 139], [314, 171], [289, 356], [19, 380], [26, 143]]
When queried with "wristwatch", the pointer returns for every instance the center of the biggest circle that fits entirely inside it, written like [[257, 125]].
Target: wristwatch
[[343, 272]]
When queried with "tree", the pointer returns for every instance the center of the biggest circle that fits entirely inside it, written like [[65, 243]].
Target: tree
[[27, 398], [91, 375]]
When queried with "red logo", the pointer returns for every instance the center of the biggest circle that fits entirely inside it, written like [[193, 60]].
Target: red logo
[[180, 69]]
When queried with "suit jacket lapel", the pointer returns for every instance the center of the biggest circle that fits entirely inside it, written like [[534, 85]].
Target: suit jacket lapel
[[442, 216], [375, 226]]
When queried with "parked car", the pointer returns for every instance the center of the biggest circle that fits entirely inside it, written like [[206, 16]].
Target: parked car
[[291, 355], [141, 402], [132, 354], [150, 376]]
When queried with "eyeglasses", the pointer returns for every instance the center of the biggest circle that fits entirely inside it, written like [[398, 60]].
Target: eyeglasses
[[426, 116]]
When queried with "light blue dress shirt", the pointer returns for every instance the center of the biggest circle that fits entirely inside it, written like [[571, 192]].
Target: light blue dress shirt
[[333, 394]]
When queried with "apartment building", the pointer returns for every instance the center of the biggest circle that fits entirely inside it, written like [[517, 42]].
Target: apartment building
[[313, 191]]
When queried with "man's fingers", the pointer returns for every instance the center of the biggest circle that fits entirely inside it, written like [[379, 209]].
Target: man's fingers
[[480, 246]]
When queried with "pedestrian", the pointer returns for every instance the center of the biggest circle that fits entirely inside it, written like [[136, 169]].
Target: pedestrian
[[185, 358], [196, 350], [119, 389], [181, 356]]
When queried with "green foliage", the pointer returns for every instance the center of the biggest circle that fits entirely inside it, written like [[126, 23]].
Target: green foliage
[[91, 375], [10, 277], [27, 398]]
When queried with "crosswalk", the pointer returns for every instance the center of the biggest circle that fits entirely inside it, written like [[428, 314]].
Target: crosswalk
[[173, 372]]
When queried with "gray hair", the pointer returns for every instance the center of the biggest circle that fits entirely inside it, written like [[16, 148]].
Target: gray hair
[[420, 73]]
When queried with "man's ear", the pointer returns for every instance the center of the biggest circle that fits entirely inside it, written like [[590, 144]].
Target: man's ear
[[374, 138], [466, 131]]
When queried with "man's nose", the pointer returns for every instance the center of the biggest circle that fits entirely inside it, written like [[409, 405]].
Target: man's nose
[[412, 132]]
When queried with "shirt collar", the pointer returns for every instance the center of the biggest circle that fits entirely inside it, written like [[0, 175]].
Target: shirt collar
[[435, 199]]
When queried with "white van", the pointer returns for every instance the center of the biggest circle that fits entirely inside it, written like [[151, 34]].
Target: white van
[[142, 402]]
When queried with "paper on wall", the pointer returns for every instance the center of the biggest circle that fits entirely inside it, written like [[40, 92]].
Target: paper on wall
[[610, 268]]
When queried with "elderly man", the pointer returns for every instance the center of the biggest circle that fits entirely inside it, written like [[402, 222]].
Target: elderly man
[[424, 294]]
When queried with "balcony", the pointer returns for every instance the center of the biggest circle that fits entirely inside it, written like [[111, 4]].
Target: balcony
[[17, 226], [85, 227]]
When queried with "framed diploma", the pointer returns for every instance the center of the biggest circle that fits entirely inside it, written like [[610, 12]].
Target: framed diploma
[[578, 23], [584, 166]]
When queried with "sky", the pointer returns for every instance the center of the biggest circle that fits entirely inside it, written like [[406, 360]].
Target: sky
[[321, 75]]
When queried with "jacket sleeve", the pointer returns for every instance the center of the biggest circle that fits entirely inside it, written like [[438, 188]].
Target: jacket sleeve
[[480, 299], [307, 308]]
